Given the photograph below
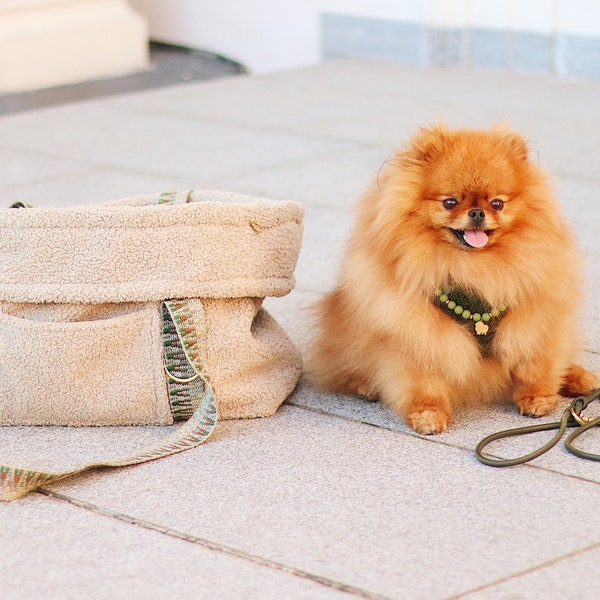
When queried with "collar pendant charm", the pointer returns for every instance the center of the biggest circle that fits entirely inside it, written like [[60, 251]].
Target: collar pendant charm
[[481, 328]]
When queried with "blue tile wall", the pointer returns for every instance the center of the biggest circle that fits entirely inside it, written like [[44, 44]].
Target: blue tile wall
[[446, 47], [578, 56], [418, 44], [488, 48], [532, 53], [345, 36]]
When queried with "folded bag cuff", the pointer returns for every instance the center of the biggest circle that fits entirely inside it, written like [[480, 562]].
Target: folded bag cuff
[[217, 245]]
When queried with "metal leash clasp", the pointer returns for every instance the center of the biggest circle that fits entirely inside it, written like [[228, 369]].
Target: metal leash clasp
[[581, 419]]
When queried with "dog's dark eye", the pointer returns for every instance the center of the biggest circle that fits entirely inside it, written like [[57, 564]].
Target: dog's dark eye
[[497, 204], [449, 203]]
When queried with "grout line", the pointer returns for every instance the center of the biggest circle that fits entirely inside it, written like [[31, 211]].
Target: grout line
[[91, 164], [351, 148], [519, 574], [81, 165], [87, 165], [437, 441], [184, 115], [416, 436], [216, 546], [50, 179], [292, 162]]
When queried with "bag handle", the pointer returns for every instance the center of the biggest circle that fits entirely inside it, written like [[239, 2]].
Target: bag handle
[[15, 482]]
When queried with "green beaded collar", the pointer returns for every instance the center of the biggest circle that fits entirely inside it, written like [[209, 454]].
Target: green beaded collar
[[472, 312]]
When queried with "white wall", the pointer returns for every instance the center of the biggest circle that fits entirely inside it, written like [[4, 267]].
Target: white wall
[[264, 35], [268, 35]]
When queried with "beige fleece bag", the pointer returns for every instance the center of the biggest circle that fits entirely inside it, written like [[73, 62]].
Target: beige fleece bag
[[144, 311]]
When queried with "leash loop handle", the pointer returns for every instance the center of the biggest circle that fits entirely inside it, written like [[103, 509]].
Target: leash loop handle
[[571, 417], [591, 423]]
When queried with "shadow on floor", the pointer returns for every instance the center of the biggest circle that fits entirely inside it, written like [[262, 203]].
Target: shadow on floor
[[169, 65]]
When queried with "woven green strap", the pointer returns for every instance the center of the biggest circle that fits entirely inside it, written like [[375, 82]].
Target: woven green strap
[[190, 394], [178, 197], [195, 393]]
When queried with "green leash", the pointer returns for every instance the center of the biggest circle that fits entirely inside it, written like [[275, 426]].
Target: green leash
[[571, 417]]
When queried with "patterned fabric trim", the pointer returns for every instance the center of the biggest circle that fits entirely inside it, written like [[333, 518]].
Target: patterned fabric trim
[[184, 354], [174, 198], [197, 404]]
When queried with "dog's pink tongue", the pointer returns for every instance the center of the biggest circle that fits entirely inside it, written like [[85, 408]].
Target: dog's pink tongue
[[476, 238]]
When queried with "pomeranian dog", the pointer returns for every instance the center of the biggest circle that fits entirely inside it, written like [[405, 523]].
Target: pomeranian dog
[[461, 284]]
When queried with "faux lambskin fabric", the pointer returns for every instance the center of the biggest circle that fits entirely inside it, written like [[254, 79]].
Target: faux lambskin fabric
[[217, 245], [104, 371], [81, 290]]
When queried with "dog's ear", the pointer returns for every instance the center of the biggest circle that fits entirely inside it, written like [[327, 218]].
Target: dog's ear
[[513, 142], [429, 143], [517, 145]]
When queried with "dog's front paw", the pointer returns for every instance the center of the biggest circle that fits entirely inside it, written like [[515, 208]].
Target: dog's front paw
[[428, 422], [537, 406]]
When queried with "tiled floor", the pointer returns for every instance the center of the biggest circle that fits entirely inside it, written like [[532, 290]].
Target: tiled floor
[[332, 497]]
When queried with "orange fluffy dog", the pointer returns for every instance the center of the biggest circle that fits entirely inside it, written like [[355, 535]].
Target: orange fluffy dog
[[461, 284]]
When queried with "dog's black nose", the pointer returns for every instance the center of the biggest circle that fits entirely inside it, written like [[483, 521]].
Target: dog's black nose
[[477, 216]]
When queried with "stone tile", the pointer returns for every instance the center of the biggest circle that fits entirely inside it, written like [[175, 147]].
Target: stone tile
[[92, 186], [377, 104], [66, 448], [274, 102], [333, 181], [294, 314], [374, 106], [352, 88], [151, 143], [591, 326], [376, 509], [578, 198], [326, 232], [18, 167], [354, 409], [53, 549], [319, 103], [581, 162], [568, 579], [337, 486], [469, 427]]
